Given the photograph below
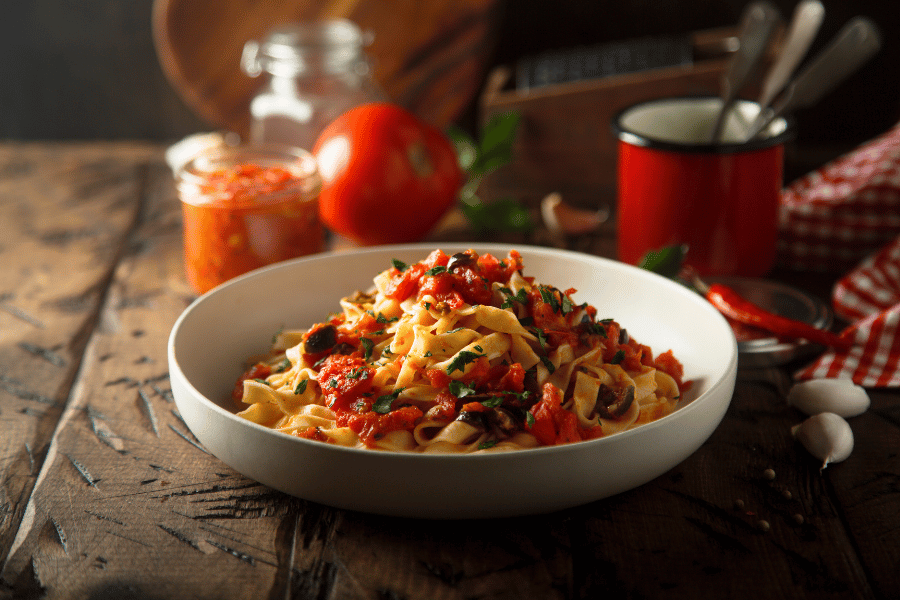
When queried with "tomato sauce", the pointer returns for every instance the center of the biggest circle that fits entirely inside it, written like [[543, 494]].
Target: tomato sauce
[[346, 378], [246, 214]]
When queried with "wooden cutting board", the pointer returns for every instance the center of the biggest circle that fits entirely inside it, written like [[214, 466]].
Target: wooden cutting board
[[429, 56]]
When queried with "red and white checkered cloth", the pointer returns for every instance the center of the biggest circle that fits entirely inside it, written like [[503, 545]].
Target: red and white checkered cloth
[[869, 297], [834, 217], [846, 217]]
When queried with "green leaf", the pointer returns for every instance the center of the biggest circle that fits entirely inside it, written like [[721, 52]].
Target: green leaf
[[367, 345], [665, 261], [466, 147], [383, 405], [497, 137], [462, 359], [503, 215], [399, 265], [492, 402], [460, 390]]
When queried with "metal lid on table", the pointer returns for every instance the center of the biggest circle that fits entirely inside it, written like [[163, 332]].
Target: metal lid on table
[[757, 348]]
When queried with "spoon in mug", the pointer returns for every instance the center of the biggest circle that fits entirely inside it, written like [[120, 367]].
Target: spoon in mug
[[805, 23], [856, 43], [757, 26]]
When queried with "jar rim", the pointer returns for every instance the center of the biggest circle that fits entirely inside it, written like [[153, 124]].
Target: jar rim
[[299, 162]]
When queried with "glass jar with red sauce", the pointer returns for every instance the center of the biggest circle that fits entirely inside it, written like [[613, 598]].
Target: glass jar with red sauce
[[245, 207]]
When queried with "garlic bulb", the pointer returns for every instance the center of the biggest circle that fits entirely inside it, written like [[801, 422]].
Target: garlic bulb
[[826, 436], [839, 396]]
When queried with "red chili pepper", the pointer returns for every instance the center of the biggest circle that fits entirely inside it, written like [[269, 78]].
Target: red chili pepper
[[737, 308]]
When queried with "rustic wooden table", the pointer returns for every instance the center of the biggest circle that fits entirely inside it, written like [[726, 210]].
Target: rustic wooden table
[[104, 492]]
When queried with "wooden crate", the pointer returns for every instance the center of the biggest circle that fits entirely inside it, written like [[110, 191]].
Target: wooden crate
[[565, 142]]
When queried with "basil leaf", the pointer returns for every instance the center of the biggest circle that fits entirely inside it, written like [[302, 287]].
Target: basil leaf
[[301, 386], [504, 215], [665, 261], [496, 147], [618, 357], [399, 265]]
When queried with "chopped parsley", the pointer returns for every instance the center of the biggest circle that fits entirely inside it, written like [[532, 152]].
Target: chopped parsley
[[492, 402], [596, 329], [548, 363], [541, 336], [436, 270], [460, 389], [262, 381], [462, 359], [356, 373], [367, 345], [283, 366], [549, 297], [487, 444], [383, 404]]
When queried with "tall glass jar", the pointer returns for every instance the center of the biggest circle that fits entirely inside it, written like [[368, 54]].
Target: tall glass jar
[[315, 72]]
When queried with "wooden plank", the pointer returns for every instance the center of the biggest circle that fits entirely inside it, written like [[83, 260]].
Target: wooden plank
[[66, 210]]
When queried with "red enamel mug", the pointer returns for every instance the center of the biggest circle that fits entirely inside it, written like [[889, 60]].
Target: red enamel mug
[[676, 187]]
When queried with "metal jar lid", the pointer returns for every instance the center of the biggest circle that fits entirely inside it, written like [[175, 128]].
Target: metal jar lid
[[762, 350]]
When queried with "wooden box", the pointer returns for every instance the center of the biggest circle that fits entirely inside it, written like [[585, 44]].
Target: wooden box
[[565, 142]]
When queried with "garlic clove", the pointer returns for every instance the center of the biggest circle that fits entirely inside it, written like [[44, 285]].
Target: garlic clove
[[826, 436], [839, 396], [560, 217]]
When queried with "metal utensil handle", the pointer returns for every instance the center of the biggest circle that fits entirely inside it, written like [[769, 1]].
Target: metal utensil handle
[[856, 43], [804, 25], [757, 26]]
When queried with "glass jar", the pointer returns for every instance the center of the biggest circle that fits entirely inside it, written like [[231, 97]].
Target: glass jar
[[316, 72], [245, 207]]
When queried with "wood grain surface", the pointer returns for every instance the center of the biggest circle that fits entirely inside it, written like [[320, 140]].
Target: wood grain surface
[[430, 57], [105, 493]]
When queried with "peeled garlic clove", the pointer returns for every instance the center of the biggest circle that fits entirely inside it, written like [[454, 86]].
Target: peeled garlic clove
[[839, 396], [826, 436]]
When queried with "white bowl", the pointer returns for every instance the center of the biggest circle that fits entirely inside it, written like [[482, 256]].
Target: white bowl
[[220, 330]]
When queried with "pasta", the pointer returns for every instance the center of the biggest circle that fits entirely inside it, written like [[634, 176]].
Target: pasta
[[459, 354]]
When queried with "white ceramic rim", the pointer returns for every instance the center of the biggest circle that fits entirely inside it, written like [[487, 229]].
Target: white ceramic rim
[[684, 124]]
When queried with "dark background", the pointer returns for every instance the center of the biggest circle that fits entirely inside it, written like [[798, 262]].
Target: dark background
[[79, 69]]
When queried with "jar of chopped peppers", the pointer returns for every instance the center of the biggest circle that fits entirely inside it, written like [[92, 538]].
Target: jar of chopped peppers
[[245, 207]]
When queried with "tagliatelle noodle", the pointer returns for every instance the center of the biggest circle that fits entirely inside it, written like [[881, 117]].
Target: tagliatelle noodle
[[462, 354]]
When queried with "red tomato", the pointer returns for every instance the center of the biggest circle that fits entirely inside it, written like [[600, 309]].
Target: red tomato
[[387, 176]]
